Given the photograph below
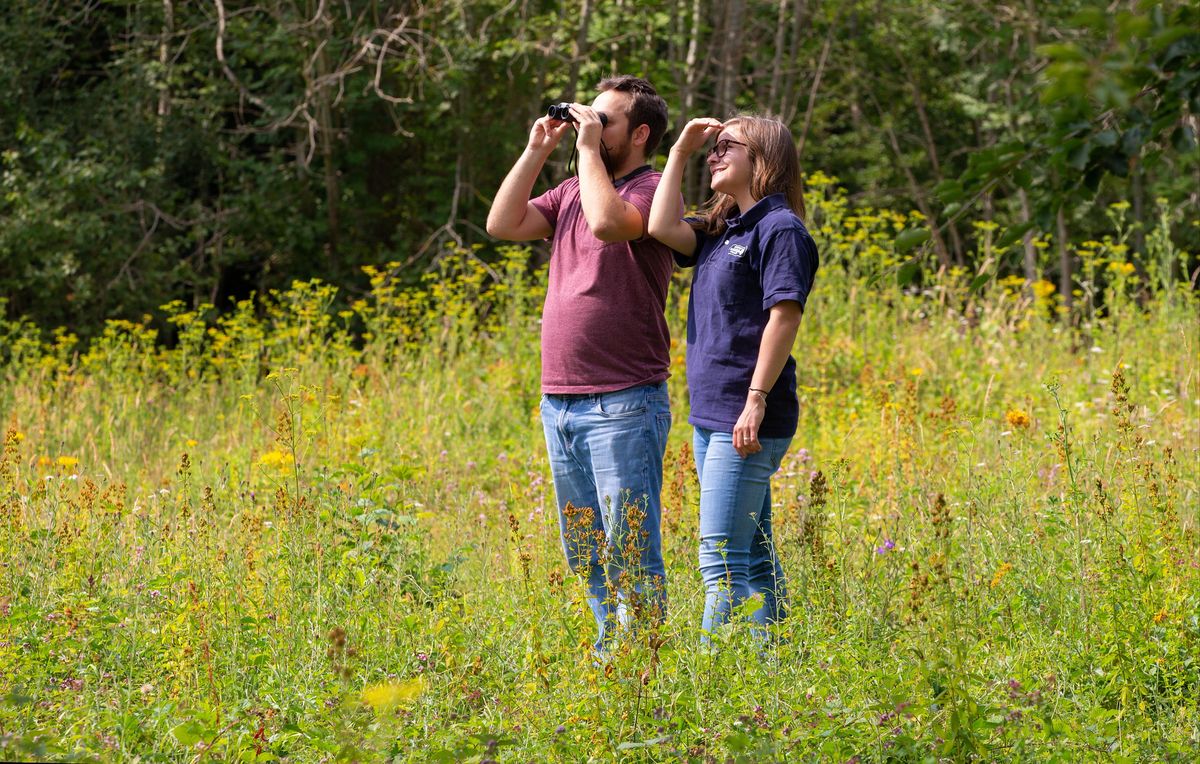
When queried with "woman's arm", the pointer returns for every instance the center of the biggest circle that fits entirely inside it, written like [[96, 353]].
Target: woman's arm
[[773, 351], [666, 219]]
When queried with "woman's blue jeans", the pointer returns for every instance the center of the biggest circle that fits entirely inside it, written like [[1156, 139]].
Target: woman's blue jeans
[[737, 552], [606, 455]]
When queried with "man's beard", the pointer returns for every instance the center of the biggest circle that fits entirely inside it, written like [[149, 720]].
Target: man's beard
[[614, 158]]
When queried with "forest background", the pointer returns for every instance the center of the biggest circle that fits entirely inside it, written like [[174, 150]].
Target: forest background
[[317, 524], [204, 151]]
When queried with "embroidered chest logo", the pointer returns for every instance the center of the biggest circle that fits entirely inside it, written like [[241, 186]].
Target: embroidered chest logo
[[737, 250]]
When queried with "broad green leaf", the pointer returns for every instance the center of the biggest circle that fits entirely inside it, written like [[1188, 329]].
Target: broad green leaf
[[907, 272], [1013, 234], [911, 238], [1079, 158], [189, 733], [1063, 51], [1094, 18], [948, 191]]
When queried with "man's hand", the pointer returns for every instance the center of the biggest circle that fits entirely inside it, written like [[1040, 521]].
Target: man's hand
[[590, 127], [545, 135], [745, 432], [695, 134]]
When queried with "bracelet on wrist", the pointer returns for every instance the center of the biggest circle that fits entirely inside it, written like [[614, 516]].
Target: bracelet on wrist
[[760, 393]]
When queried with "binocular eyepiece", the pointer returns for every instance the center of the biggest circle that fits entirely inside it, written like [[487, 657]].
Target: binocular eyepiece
[[562, 112]]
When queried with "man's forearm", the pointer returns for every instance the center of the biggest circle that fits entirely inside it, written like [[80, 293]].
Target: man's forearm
[[603, 208], [510, 205]]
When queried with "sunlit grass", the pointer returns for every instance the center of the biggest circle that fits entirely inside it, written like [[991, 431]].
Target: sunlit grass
[[312, 532]]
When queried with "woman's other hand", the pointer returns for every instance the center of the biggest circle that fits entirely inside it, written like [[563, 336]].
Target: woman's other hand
[[745, 432]]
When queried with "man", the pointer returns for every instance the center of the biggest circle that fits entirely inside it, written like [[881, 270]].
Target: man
[[605, 359]]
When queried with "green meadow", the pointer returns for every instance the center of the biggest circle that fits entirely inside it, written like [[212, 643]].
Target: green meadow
[[320, 527]]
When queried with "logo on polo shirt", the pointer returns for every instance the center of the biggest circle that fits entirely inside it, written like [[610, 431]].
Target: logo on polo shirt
[[737, 250]]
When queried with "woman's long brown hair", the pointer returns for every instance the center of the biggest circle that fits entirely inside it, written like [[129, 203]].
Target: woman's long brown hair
[[774, 169]]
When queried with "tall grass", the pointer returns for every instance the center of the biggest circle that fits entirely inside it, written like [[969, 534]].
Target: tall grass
[[307, 533]]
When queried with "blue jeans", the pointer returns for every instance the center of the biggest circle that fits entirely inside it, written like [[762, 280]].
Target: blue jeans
[[606, 454], [737, 551]]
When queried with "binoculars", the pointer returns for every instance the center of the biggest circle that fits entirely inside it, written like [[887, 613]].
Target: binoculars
[[562, 112]]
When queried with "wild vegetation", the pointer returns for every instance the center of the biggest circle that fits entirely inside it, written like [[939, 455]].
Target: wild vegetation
[[317, 529]]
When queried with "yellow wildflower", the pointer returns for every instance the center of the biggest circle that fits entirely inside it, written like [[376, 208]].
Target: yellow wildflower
[[1161, 616], [1002, 571], [67, 461], [382, 697], [1043, 289], [1017, 419], [280, 460]]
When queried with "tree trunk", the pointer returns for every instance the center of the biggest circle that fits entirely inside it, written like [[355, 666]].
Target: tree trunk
[[729, 60], [1138, 201], [693, 179], [931, 147], [614, 61], [325, 135], [790, 94], [579, 49], [773, 97], [1065, 266], [1029, 262], [812, 96], [918, 194], [164, 59]]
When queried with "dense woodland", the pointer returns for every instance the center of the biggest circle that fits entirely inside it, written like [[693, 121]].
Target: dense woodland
[[203, 151]]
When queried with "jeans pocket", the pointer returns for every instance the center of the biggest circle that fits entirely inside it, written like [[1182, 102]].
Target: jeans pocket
[[664, 425], [623, 404]]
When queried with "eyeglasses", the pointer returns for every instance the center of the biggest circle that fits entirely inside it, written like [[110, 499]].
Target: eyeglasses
[[722, 146]]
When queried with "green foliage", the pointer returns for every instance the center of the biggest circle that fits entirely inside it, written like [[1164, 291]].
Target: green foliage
[[152, 152], [1118, 97]]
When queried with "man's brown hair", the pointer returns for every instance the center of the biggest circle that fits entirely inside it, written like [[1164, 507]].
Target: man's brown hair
[[647, 106]]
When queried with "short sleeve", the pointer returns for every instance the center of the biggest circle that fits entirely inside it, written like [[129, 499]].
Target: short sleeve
[[789, 266], [549, 203], [641, 195], [684, 261]]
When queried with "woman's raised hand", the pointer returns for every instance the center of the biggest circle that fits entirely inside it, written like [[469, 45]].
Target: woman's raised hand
[[696, 133]]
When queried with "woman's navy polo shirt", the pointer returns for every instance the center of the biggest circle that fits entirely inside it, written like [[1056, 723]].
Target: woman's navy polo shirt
[[764, 256]]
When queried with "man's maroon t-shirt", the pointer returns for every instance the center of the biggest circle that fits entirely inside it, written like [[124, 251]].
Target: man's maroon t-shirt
[[603, 327]]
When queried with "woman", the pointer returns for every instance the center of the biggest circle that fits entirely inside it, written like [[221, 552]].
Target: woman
[[754, 266]]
